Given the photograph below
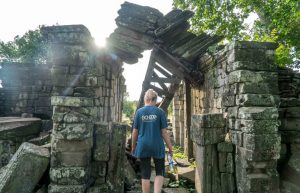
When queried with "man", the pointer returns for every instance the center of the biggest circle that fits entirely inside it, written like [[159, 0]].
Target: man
[[148, 136]]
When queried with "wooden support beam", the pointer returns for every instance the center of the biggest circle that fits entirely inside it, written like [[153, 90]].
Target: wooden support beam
[[173, 80], [161, 83], [162, 71], [188, 144], [167, 100]]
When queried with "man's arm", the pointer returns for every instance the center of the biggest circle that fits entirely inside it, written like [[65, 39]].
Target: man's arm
[[167, 140], [134, 139]]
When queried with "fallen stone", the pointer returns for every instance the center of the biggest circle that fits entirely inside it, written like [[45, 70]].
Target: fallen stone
[[25, 169]]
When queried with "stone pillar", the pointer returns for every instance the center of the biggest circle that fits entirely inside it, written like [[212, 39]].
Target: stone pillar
[[71, 144], [207, 132], [251, 99], [73, 107]]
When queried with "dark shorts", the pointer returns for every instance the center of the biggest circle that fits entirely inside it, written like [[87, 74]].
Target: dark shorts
[[145, 166]]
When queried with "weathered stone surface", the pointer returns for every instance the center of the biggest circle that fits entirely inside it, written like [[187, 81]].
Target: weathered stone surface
[[71, 101], [225, 147], [256, 176], [288, 187], [25, 169], [15, 128], [212, 120], [257, 88], [257, 155], [71, 117], [70, 159], [96, 189], [69, 175], [228, 101], [101, 148], [101, 143], [257, 126], [257, 100], [53, 188], [293, 112], [116, 173], [73, 34], [261, 142], [63, 145], [7, 150], [203, 175], [99, 172], [258, 113], [242, 76], [289, 102], [250, 65], [207, 136], [73, 131]]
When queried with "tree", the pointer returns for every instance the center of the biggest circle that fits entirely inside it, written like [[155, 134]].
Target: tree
[[278, 21], [31, 47], [129, 107]]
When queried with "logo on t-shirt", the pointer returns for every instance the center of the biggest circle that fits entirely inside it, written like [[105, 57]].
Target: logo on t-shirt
[[149, 118]]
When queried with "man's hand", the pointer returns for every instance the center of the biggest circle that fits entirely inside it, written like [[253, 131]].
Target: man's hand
[[132, 151], [171, 152]]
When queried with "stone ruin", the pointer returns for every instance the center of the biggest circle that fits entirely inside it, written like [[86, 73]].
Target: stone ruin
[[234, 111]]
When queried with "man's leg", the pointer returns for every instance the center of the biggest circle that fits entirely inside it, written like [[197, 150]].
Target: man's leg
[[146, 186], [158, 183], [160, 173], [146, 174]]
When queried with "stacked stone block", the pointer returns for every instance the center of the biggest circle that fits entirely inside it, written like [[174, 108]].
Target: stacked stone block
[[251, 99], [289, 113], [72, 141], [26, 89], [214, 157], [88, 149], [135, 32], [178, 116]]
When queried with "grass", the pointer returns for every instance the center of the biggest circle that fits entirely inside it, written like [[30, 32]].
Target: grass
[[178, 152]]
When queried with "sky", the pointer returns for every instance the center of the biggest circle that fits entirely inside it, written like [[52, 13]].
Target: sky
[[19, 16]]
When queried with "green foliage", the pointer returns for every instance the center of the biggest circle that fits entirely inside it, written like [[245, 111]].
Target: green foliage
[[31, 47], [183, 183], [178, 152], [129, 107], [278, 21]]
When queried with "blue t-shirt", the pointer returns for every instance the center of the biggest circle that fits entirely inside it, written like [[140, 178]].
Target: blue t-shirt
[[149, 120]]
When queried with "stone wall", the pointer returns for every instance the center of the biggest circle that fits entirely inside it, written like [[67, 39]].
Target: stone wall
[[234, 126], [26, 88], [80, 89], [289, 114], [88, 148]]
